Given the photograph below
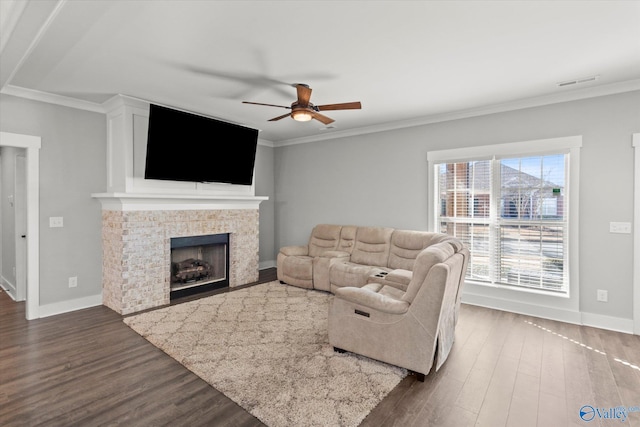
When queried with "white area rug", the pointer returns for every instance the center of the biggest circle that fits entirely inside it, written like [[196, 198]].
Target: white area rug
[[266, 347]]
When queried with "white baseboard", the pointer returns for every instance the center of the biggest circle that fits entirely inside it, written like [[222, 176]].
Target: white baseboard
[[562, 315], [266, 264], [608, 322], [70, 305], [9, 287]]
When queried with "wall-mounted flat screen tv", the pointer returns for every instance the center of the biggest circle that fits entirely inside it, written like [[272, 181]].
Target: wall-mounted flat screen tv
[[183, 146]]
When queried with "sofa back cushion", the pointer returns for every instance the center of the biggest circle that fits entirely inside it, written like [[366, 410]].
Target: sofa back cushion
[[324, 237], [407, 244], [372, 246], [347, 238], [426, 259]]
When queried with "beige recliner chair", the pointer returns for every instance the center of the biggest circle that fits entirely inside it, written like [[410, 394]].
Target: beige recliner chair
[[413, 328]]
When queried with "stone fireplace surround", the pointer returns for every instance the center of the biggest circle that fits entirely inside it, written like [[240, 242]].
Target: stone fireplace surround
[[136, 251], [140, 216]]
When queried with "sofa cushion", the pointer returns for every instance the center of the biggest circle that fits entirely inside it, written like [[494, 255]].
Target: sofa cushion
[[429, 257], [351, 274], [372, 246], [407, 244], [391, 292], [324, 237], [368, 298], [400, 277], [299, 266], [347, 238]]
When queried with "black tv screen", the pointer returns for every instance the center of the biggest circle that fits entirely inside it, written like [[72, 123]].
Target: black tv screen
[[183, 146]]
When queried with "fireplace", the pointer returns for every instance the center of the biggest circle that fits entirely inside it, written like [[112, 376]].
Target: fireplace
[[137, 250], [140, 217], [199, 264]]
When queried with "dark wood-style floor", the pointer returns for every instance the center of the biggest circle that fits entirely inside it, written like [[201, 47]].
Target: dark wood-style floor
[[87, 368]]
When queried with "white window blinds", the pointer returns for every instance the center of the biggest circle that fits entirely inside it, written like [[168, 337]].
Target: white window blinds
[[512, 214]]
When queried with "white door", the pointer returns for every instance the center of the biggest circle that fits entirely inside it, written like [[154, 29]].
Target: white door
[[21, 226]]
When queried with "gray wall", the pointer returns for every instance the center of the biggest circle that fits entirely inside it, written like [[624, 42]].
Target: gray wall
[[381, 179], [72, 166], [374, 179]]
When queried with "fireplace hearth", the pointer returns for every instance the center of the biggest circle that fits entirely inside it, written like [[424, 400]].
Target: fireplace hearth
[[199, 264]]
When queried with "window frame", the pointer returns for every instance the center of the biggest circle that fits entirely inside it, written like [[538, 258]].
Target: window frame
[[563, 145]]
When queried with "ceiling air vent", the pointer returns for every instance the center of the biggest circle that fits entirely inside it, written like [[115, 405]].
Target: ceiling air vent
[[578, 81]]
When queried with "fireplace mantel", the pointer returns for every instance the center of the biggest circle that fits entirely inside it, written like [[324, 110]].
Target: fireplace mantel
[[161, 201]]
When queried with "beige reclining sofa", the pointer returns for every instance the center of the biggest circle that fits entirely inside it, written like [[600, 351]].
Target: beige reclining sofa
[[397, 292]]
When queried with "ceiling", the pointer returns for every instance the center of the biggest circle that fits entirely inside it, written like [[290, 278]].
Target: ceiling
[[407, 62]]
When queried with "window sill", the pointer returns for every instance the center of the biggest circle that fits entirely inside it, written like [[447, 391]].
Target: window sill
[[557, 294]]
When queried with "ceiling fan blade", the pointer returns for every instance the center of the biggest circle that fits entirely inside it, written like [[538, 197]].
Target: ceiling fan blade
[[279, 117], [304, 94], [322, 118], [268, 105], [343, 106]]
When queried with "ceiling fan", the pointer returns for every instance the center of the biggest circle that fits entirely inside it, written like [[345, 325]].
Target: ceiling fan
[[302, 110]]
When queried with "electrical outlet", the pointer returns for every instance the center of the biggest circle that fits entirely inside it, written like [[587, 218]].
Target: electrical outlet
[[56, 221], [73, 282], [603, 296]]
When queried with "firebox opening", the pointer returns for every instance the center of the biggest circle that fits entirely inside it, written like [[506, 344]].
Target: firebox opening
[[199, 264]]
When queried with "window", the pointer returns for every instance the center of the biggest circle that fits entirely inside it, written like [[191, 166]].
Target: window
[[510, 209]]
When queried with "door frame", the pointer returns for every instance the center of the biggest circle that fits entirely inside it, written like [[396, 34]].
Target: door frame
[[20, 206], [636, 234], [32, 145]]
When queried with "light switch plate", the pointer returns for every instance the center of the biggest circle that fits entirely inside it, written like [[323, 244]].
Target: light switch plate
[[620, 227]]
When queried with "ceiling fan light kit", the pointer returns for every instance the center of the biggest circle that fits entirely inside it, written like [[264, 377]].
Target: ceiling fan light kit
[[301, 115], [303, 111]]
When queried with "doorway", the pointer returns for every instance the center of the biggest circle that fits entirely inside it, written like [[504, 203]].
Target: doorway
[[20, 176], [13, 251], [29, 201]]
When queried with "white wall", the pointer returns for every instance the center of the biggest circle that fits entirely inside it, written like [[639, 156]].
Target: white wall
[[381, 179], [265, 187]]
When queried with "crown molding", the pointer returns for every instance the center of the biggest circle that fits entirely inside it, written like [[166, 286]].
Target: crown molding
[[565, 96], [104, 108], [51, 98]]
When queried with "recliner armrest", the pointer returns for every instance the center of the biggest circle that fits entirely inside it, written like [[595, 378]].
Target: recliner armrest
[[294, 250], [368, 298]]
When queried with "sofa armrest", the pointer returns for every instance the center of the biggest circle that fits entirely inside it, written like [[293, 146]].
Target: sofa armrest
[[294, 250], [368, 298]]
